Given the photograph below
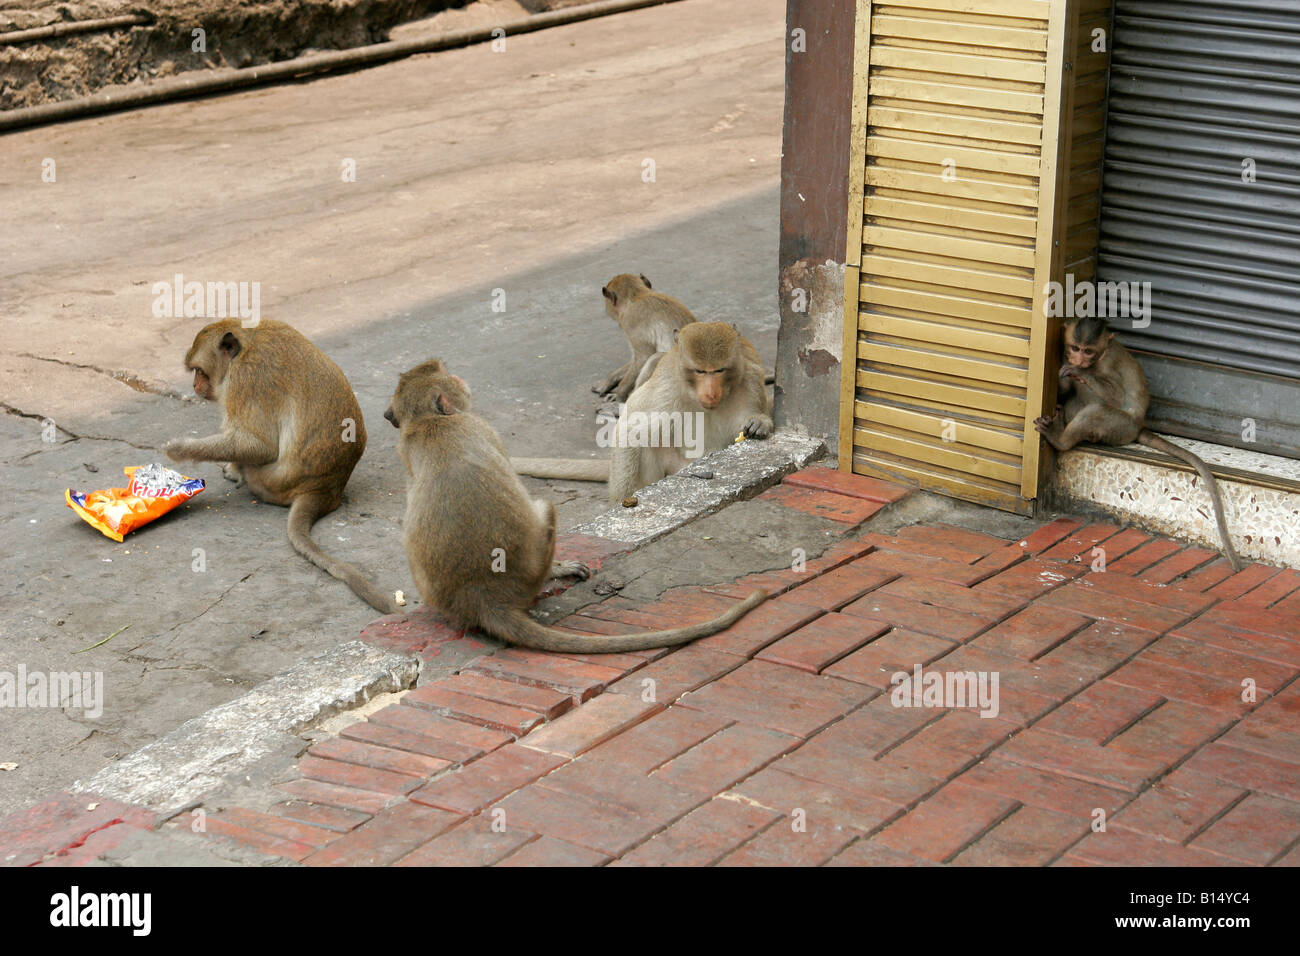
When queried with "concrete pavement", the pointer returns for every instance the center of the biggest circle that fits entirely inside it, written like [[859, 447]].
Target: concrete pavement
[[475, 171]]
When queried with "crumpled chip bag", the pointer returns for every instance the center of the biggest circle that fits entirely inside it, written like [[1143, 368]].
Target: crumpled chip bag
[[153, 491]]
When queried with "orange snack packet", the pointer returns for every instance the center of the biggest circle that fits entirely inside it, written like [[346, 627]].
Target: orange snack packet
[[153, 491]]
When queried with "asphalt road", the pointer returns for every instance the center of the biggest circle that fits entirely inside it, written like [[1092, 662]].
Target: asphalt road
[[476, 171]]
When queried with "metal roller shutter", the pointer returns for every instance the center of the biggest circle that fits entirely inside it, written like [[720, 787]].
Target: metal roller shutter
[[1201, 90]]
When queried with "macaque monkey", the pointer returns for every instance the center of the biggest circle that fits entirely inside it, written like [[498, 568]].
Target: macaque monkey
[[479, 548], [649, 320], [713, 377], [291, 430], [1106, 397]]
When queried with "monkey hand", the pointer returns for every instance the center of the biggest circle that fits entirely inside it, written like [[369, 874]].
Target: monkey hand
[[1072, 374], [759, 426], [232, 472], [1048, 426], [178, 449]]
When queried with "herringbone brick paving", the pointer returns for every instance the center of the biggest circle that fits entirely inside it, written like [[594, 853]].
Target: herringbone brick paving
[[1147, 714]]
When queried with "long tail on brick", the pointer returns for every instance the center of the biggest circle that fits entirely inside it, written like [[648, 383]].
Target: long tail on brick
[[516, 627], [572, 469], [1152, 440]]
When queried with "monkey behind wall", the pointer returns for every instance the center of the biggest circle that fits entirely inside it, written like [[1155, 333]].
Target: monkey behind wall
[[479, 548], [1106, 398], [649, 321], [291, 429]]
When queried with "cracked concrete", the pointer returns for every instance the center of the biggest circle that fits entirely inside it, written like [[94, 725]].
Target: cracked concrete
[[128, 379], [459, 192]]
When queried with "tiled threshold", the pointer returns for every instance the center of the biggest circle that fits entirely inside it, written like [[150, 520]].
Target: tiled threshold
[[1261, 495]]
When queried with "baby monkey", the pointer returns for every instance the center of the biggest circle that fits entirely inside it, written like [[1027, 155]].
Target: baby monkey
[[1105, 397], [479, 548]]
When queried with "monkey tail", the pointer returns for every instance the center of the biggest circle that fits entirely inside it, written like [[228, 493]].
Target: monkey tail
[[1152, 440], [515, 626], [572, 469], [305, 511]]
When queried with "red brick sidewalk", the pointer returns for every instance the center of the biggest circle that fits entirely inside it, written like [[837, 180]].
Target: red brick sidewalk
[[1125, 699]]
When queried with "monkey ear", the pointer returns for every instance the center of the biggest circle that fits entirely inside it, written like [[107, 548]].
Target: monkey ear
[[230, 345], [444, 405], [646, 281], [675, 331], [604, 290]]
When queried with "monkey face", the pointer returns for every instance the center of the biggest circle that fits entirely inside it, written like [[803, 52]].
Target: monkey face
[[203, 386], [427, 389], [710, 360], [209, 358], [1086, 340], [1084, 354], [709, 386]]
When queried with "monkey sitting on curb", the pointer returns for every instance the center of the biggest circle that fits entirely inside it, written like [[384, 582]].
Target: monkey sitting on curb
[[479, 548], [1105, 398], [711, 375], [291, 429]]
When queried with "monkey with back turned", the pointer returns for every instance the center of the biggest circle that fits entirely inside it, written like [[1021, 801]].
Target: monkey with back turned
[[649, 321], [479, 548], [1105, 399]]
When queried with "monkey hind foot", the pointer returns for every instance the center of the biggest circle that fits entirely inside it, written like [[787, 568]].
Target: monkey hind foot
[[570, 569]]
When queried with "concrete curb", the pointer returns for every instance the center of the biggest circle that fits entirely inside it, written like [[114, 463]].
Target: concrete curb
[[739, 471], [179, 769]]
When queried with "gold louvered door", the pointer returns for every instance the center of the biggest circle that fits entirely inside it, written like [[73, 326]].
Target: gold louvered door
[[959, 214]]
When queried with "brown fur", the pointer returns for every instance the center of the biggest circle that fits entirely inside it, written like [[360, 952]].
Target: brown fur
[[466, 509], [712, 372], [284, 406], [649, 320], [1106, 397]]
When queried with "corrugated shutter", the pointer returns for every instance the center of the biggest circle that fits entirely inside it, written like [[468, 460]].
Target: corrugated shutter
[[974, 180], [1200, 91]]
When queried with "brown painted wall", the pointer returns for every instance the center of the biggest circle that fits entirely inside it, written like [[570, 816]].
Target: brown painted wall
[[814, 183]]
